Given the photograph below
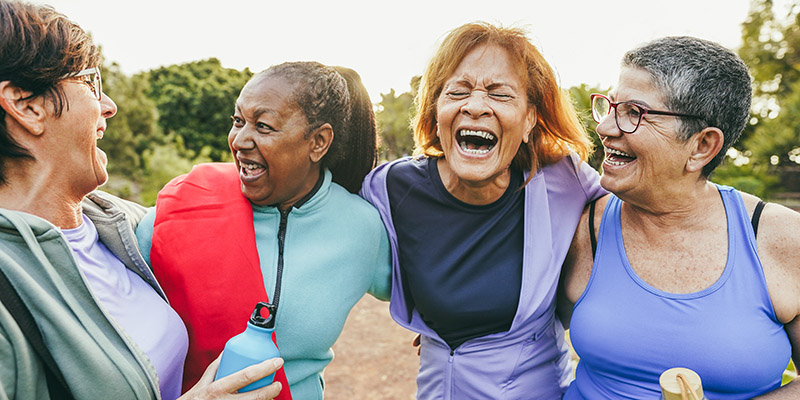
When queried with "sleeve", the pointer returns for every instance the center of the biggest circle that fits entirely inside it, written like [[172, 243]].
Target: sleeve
[[382, 280], [589, 179], [8, 373], [144, 233]]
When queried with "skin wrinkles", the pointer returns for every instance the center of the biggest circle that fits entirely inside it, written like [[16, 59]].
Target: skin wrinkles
[[270, 135], [484, 94], [660, 154]]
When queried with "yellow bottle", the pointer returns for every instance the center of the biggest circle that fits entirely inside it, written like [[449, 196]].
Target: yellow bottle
[[681, 384]]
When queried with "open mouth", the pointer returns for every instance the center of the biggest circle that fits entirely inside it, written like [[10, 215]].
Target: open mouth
[[251, 168], [475, 142], [616, 157]]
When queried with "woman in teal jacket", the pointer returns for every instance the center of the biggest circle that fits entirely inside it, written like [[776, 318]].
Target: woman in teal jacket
[[282, 224]]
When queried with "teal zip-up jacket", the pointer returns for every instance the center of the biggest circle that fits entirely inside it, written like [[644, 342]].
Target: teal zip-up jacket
[[97, 359], [335, 251]]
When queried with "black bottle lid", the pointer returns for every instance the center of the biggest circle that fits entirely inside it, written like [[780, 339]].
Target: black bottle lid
[[261, 322]]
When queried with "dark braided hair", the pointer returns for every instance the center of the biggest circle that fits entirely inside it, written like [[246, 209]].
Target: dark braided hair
[[335, 95], [38, 48]]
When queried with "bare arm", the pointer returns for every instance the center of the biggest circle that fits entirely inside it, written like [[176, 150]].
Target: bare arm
[[577, 266], [779, 250]]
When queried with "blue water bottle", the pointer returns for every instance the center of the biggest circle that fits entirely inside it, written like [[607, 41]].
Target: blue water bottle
[[250, 347]]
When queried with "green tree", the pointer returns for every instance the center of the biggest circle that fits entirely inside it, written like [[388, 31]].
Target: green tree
[[580, 96], [135, 126], [162, 163], [771, 49], [195, 101], [394, 116]]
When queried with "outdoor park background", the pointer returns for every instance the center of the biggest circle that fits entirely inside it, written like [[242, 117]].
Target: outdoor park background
[[174, 116]]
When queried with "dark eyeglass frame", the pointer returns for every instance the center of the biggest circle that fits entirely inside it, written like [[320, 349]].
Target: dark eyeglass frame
[[97, 88], [642, 112]]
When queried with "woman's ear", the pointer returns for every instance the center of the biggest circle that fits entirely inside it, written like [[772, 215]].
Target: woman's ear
[[27, 112], [706, 145], [530, 123], [321, 140]]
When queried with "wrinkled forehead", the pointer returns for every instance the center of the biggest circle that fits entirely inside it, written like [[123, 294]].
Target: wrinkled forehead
[[276, 93], [637, 85]]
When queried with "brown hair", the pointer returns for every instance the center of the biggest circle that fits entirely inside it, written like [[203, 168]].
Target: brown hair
[[38, 48], [558, 130]]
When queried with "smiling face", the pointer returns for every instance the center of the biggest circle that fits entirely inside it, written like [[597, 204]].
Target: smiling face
[[482, 118], [74, 136], [269, 144], [652, 156]]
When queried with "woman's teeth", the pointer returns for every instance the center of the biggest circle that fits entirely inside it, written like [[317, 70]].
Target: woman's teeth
[[248, 168], [476, 142], [473, 151], [616, 157]]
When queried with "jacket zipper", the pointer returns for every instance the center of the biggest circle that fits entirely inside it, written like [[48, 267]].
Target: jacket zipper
[[276, 297], [448, 384]]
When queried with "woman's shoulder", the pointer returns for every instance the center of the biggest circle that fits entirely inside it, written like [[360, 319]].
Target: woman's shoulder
[[779, 249], [347, 204]]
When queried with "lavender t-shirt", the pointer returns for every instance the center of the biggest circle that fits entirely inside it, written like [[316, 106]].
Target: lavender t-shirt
[[134, 305]]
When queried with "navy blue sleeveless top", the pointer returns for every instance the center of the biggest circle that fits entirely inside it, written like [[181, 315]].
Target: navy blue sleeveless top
[[465, 274], [627, 332]]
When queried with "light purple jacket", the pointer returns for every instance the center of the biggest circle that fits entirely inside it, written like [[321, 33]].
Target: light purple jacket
[[531, 360]]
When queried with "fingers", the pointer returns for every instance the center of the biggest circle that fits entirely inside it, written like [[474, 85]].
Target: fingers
[[238, 380], [416, 343], [270, 391], [210, 372]]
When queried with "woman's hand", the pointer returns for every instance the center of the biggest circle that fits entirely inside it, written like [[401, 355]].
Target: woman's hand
[[227, 387], [417, 343]]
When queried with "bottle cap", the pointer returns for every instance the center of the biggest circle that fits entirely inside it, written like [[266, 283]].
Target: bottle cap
[[672, 379], [261, 322]]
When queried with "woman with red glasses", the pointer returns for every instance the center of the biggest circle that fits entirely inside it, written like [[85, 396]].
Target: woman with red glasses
[[81, 314], [670, 269]]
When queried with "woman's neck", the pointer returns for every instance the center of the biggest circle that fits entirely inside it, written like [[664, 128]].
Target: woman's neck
[[676, 210], [475, 193], [39, 195]]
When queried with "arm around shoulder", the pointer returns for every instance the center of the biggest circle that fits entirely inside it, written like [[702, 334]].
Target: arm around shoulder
[[381, 287], [144, 233], [577, 268]]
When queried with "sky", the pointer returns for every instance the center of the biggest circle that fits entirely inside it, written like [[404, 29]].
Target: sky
[[389, 42]]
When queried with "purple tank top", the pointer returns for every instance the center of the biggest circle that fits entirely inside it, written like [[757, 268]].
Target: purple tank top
[[627, 332]]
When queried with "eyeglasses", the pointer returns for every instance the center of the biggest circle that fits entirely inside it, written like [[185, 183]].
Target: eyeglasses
[[91, 77], [628, 114]]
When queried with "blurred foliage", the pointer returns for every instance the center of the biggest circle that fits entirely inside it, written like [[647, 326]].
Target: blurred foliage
[[195, 101], [771, 142], [580, 96], [173, 117], [168, 119], [394, 116], [135, 126]]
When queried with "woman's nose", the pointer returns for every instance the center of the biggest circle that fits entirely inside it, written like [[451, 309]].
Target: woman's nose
[[107, 106], [476, 104], [608, 126], [240, 138]]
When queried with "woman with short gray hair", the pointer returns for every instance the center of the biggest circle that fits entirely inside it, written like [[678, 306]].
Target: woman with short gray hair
[[670, 269]]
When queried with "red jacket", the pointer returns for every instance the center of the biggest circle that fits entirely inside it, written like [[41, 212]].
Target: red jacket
[[204, 255]]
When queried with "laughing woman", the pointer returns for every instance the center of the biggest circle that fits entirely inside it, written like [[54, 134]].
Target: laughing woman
[[481, 222], [672, 270], [280, 223], [81, 315]]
